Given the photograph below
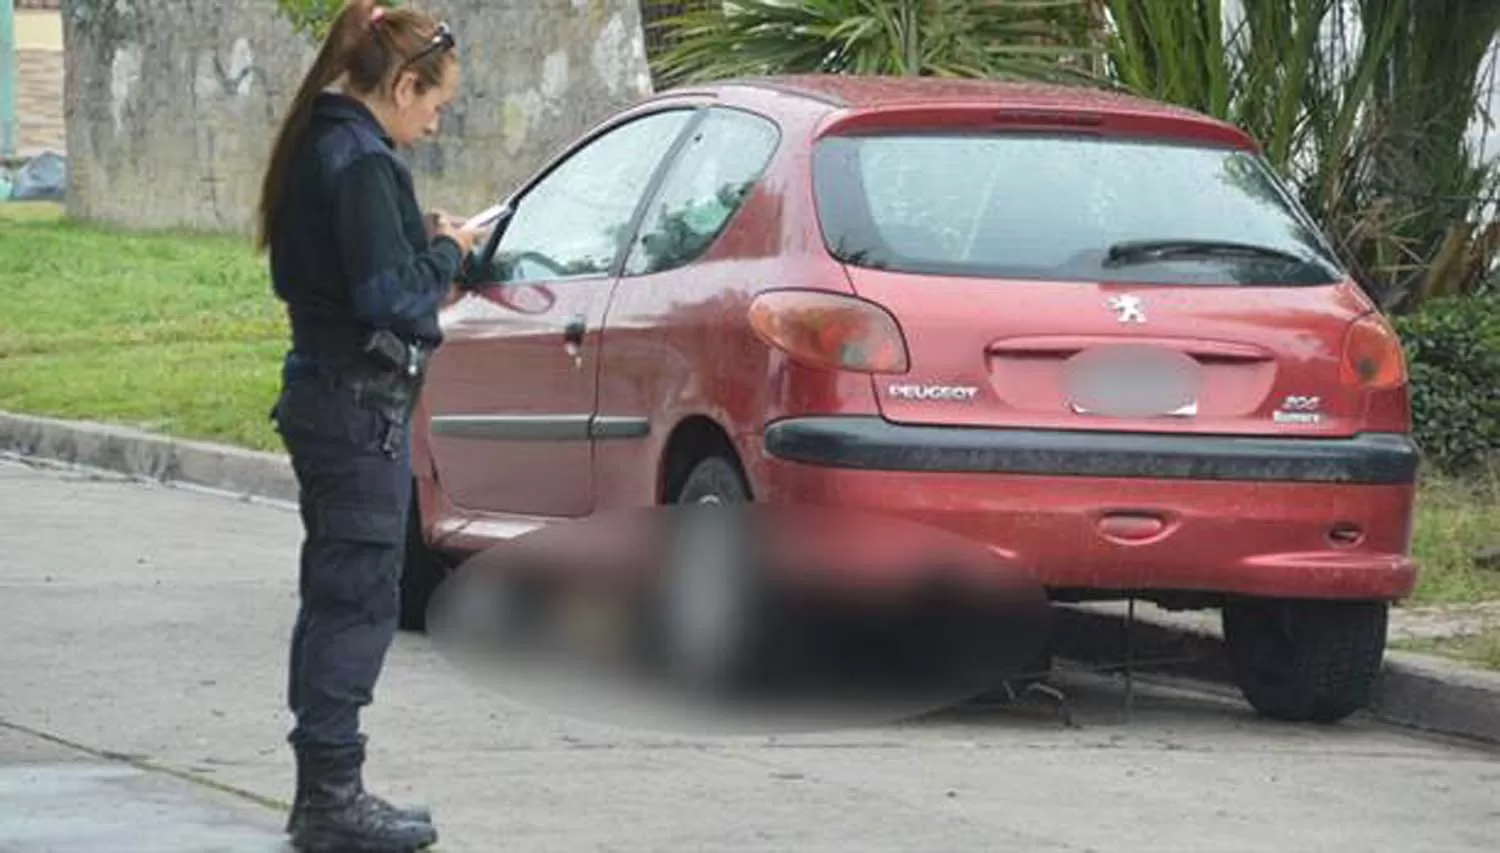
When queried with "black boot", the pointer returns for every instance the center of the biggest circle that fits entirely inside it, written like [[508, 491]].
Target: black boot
[[305, 770], [334, 812], [409, 814]]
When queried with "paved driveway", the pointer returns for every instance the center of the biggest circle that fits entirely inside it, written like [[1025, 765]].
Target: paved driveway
[[149, 623]]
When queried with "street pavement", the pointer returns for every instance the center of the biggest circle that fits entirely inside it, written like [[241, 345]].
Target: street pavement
[[57, 797], [141, 689]]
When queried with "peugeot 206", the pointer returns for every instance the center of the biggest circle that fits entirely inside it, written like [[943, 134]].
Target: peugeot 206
[[1093, 332]]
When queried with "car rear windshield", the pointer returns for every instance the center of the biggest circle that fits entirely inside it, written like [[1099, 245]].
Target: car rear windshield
[[1049, 207]]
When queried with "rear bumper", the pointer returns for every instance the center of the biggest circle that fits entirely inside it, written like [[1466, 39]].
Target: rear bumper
[[874, 444], [1232, 516]]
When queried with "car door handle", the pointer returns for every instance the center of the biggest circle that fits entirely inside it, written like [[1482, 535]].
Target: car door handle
[[573, 332]]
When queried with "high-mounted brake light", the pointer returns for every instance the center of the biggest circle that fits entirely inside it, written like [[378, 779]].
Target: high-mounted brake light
[[1061, 118], [830, 330], [1372, 357]]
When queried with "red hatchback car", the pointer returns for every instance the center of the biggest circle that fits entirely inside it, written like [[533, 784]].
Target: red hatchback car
[[1095, 333]]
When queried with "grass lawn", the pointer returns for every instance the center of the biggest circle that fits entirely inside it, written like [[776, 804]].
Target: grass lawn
[[179, 333], [176, 333], [1455, 519], [1481, 649]]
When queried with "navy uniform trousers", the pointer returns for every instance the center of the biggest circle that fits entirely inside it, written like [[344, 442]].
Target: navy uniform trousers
[[354, 500]]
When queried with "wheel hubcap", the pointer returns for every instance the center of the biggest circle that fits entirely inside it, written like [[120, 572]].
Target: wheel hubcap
[[705, 619]]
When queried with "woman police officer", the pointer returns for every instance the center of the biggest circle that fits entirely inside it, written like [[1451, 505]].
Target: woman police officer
[[361, 272]]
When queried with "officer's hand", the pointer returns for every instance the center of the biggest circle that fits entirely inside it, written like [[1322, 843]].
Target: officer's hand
[[464, 237]]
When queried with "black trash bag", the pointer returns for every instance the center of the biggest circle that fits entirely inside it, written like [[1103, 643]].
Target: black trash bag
[[42, 178]]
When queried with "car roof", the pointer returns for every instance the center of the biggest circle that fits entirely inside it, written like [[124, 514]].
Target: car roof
[[873, 91], [850, 93]]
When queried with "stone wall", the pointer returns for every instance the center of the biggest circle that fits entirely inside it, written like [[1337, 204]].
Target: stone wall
[[172, 104]]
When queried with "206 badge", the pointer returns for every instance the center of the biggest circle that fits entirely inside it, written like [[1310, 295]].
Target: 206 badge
[[1297, 409]]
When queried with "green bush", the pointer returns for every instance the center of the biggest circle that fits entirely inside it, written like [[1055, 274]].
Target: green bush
[[1453, 353]]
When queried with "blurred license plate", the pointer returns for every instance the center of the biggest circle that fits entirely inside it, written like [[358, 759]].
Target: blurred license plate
[[1187, 410], [1132, 381]]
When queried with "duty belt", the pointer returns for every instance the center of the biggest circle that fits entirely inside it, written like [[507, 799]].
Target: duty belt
[[386, 350], [390, 383]]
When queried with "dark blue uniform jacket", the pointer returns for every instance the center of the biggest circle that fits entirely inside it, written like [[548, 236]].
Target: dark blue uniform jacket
[[350, 253]]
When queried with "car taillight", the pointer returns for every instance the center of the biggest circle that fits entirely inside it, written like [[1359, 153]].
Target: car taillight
[[1373, 358], [830, 330]]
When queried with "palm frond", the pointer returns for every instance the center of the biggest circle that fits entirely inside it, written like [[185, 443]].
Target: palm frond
[[963, 38]]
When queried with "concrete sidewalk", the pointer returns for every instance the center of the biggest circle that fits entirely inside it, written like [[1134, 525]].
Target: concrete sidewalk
[[1421, 691], [152, 622], [58, 798]]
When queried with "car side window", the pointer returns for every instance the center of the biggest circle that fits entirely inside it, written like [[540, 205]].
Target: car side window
[[709, 180], [571, 223]]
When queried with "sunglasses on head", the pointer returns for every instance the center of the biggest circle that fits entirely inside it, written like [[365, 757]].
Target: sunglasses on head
[[442, 40]]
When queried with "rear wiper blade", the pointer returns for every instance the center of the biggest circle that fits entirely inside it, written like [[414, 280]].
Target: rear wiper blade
[[1149, 250]]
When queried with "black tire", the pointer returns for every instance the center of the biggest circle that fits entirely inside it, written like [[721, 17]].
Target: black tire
[[715, 478], [1306, 661], [422, 572], [732, 598]]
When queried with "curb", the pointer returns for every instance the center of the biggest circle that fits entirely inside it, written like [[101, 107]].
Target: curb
[[141, 454], [1416, 691]]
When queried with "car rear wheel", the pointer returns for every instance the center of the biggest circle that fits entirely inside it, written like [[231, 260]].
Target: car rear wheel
[[711, 617], [1306, 661], [422, 572]]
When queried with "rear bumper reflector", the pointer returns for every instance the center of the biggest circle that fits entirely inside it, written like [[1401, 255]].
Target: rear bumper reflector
[[871, 443]]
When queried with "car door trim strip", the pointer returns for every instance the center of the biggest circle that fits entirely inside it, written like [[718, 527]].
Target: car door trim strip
[[540, 427]]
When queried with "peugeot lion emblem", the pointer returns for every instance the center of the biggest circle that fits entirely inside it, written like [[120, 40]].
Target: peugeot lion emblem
[[1129, 308]]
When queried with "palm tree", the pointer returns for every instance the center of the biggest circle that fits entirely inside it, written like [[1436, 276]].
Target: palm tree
[[1363, 104], [1030, 39]]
